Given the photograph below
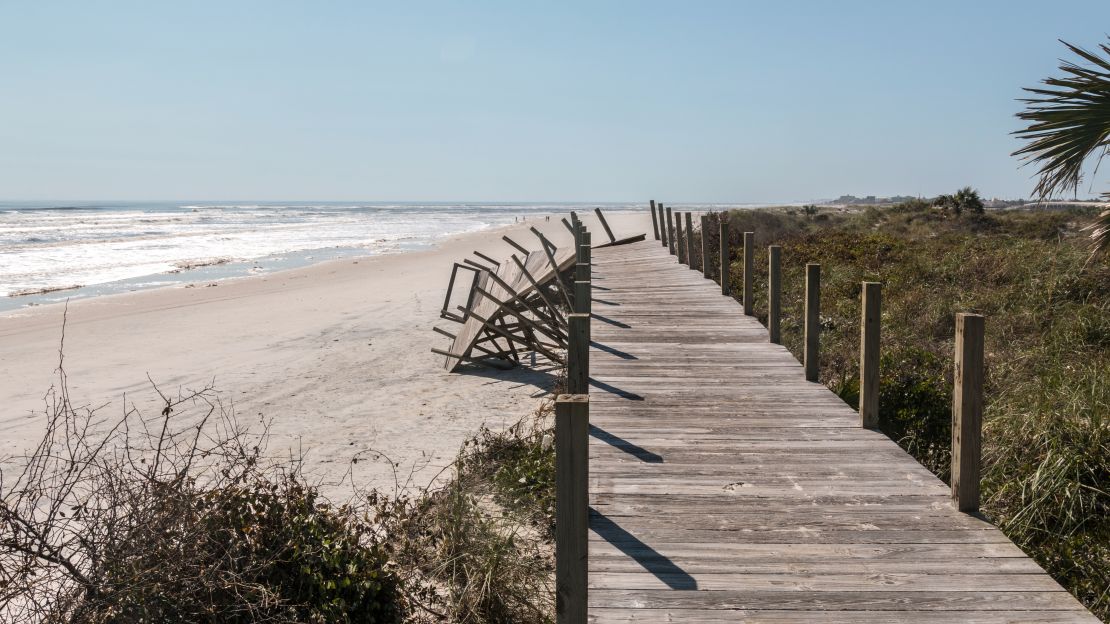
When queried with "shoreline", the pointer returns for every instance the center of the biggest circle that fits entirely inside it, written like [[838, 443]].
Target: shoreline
[[217, 270], [336, 354]]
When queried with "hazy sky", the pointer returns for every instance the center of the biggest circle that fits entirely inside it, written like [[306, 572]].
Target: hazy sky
[[598, 101]]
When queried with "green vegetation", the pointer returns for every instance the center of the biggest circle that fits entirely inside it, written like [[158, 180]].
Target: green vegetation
[[1047, 418], [965, 199], [1069, 124], [480, 549]]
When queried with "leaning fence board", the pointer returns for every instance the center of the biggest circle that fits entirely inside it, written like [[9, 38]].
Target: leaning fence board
[[536, 264]]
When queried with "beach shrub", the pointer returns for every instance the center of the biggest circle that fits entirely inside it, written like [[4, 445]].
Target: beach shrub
[[180, 518], [915, 406], [267, 550], [483, 542]]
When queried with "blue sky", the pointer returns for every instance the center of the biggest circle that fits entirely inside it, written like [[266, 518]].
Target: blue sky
[[599, 101]]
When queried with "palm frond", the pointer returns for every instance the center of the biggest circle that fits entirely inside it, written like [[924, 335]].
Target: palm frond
[[1100, 234], [1069, 121]]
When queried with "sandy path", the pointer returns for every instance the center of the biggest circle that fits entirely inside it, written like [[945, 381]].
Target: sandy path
[[336, 354]]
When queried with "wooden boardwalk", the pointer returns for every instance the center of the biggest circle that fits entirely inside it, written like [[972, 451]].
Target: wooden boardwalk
[[724, 487]]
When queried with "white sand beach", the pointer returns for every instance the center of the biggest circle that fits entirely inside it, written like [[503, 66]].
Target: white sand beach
[[336, 354]]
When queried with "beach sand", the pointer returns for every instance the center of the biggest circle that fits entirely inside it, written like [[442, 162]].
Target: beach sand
[[335, 354]]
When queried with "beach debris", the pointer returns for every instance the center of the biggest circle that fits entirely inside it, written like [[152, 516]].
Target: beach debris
[[517, 304], [511, 306], [613, 240], [43, 291]]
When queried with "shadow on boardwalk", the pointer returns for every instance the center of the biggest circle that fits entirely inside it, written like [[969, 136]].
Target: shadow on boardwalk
[[663, 568], [634, 450]]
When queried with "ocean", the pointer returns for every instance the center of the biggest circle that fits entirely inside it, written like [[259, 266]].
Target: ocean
[[53, 251]]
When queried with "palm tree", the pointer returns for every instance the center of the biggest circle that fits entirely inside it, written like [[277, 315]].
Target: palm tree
[[945, 202], [968, 199], [1069, 121]]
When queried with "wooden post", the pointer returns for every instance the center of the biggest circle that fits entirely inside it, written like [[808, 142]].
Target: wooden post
[[724, 256], [583, 289], [654, 220], [582, 296], [605, 225], [813, 319], [578, 353], [670, 232], [749, 272], [871, 310], [705, 246], [587, 245], [679, 238], [774, 294], [520, 247], [662, 225], [572, 468], [690, 240], [967, 411]]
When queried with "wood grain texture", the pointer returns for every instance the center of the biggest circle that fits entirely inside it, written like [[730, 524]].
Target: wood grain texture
[[680, 239], [539, 267], [670, 232], [812, 321], [967, 411], [723, 256], [705, 251], [654, 220], [749, 273], [572, 417], [662, 226], [578, 352], [870, 313], [774, 294], [690, 241], [725, 487]]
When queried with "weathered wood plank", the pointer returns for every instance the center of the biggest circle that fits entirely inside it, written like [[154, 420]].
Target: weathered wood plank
[[607, 615], [725, 487]]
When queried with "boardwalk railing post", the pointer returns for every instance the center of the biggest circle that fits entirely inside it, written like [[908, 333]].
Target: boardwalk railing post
[[662, 225], [774, 294], [812, 320], [670, 232], [578, 353], [654, 220], [967, 411], [583, 288], [605, 225], [749, 273], [690, 240], [679, 241], [871, 310], [705, 246], [572, 421], [724, 255]]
